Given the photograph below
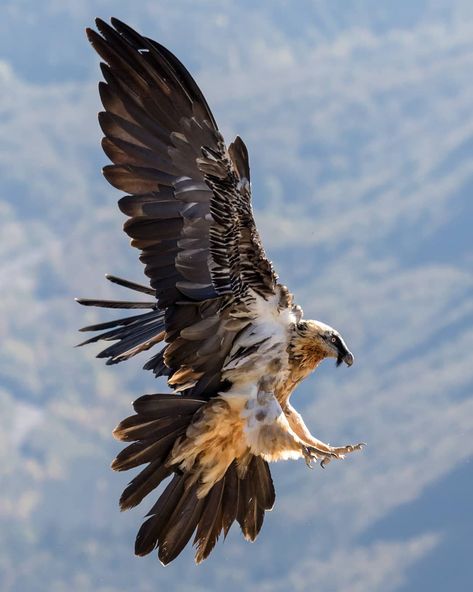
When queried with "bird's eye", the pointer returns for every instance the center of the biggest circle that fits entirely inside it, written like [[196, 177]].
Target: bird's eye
[[334, 340]]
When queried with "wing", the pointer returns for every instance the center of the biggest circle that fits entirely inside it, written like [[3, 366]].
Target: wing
[[189, 209], [189, 196]]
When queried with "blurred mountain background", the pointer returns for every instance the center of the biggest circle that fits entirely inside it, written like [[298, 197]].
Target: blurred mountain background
[[358, 115]]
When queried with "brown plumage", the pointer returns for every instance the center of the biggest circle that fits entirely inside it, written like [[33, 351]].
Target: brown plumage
[[234, 344]]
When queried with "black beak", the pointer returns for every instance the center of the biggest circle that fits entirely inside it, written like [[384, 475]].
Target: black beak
[[346, 357], [349, 359]]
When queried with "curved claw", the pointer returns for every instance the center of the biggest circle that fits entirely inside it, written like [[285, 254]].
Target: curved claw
[[308, 457], [324, 462]]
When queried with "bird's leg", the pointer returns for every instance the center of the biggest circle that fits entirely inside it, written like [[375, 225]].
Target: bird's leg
[[270, 433], [315, 449]]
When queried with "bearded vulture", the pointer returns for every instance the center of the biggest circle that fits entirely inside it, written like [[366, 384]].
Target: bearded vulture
[[234, 344]]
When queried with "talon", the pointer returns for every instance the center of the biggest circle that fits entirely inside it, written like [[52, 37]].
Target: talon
[[308, 457], [324, 462]]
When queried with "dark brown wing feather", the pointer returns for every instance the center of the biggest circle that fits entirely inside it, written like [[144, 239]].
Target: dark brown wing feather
[[189, 202]]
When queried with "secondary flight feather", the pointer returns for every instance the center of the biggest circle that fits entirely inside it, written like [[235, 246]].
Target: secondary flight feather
[[228, 336]]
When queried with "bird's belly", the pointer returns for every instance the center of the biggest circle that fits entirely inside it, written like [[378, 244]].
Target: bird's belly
[[247, 419], [233, 426], [261, 420]]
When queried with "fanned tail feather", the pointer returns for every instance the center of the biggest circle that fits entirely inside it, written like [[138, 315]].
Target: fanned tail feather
[[159, 421], [256, 495]]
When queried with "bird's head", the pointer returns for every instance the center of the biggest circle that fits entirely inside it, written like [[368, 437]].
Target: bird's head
[[327, 340]]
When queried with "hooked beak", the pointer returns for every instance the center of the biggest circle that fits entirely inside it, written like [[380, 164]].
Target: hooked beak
[[346, 357]]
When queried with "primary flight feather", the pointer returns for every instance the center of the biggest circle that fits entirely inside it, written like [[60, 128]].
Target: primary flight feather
[[233, 343]]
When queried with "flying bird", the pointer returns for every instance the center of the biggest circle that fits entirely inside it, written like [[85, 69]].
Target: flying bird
[[228, 336]]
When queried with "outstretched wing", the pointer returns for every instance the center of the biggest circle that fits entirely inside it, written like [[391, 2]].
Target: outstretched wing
[[189, 208], [189, 200]]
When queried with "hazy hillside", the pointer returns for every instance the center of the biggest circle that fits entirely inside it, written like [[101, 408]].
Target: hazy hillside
[[358, 117]]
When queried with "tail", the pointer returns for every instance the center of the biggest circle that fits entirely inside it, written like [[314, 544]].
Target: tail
[[159, 421], [131, 335]]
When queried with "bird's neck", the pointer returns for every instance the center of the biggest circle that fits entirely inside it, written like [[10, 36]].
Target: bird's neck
[[305, 353], [304, 356]]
